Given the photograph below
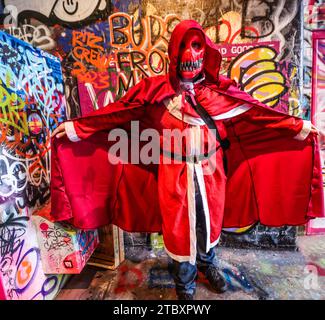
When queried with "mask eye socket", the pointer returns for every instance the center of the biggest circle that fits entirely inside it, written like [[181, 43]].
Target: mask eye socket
[[196, 45]]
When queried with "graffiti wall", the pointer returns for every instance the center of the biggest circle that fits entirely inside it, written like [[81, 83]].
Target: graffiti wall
[[31, 105], [313, 97], [314, 19], [106, 47], [318, 108]]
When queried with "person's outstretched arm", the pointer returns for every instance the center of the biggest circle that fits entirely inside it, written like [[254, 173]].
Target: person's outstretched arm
[[267, 118], [130, 107]]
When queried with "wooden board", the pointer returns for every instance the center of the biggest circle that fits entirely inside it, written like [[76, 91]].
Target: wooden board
[[110, 252]]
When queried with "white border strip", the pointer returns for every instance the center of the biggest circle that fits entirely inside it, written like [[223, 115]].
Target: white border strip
[[176, 257], [233, 112], [200, 178], [191, 211], [304, 132], [174, 108], [71, 132], [213, 244]]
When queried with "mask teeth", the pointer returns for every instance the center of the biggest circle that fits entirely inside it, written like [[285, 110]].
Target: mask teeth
[[191, 65]]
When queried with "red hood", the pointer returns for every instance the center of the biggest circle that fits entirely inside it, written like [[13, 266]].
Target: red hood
[[212, 58]]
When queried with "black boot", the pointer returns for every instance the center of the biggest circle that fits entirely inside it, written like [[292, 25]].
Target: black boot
[[216, 280]]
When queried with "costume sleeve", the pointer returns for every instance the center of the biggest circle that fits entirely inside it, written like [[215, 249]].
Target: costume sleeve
[[264, 117], [130, 107]]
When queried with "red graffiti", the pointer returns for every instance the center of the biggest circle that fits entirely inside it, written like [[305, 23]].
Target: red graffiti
[[320, 270], [126, 280]]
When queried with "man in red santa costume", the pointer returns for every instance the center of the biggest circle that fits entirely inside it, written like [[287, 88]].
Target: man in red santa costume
[[263, 165]]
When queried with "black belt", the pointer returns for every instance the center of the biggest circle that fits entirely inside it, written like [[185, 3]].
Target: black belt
[[191, 158]]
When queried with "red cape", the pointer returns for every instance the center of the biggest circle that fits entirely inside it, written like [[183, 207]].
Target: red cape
[[272, 178]]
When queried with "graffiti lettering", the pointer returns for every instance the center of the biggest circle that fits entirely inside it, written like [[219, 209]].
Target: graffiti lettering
[[11, 234], [66, 12], [55, 237], [31, 104], [39, 36]]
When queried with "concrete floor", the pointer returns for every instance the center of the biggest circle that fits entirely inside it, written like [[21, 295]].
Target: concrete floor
[[251, 274]]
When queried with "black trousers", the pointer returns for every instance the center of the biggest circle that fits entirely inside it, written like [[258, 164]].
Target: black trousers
[[184, 273]]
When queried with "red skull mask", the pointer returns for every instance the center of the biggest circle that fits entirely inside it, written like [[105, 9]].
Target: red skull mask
[[191, 53]]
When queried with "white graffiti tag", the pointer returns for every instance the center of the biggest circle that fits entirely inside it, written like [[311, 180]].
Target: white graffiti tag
[[63, 10]]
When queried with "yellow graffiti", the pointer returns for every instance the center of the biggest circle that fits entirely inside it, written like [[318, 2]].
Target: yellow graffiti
[[238, 230], [256, 71], [12, 110]]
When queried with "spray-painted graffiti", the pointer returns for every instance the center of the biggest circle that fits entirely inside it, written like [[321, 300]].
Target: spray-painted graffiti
[[159, 277], [28, 80], [240, 279], [256, 72], [55, 237], [20, 261], [32, 104], [69, 12], [318, 108], [138, 50], [319, 83], [103, 60], [267, 69], [88, 51], [12, 232], [314, 15], [50, 287], [106, 47], [269, 17], [63, 248], [87, 241], [129, 278], [38, 36], [26, 269]]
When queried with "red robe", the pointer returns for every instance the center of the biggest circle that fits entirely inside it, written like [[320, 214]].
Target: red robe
[[274, 173]]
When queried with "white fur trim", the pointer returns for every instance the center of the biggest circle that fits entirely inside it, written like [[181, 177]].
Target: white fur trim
[[71, 132], [233, 112], [304, 132], [191, 211], [177, 257], [200, 178], [213, 244], [174, 108]]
